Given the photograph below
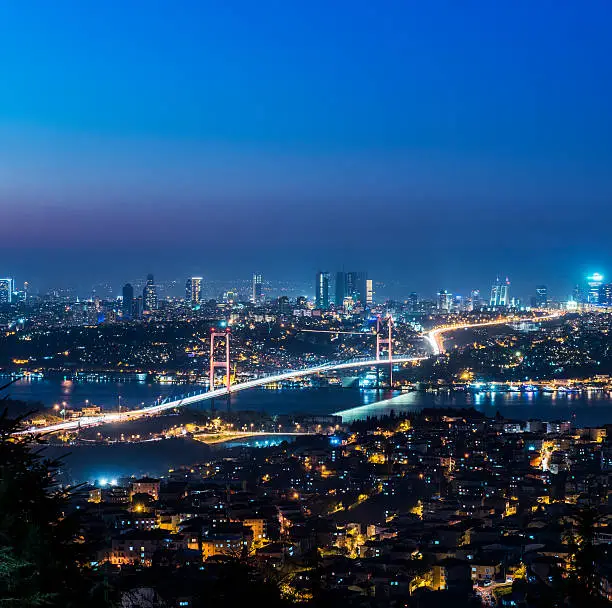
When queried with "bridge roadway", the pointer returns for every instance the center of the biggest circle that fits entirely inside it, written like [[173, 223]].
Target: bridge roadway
[[434, 338], [153, 410]]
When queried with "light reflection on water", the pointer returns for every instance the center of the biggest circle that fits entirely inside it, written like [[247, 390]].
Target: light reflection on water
[[589, 408]]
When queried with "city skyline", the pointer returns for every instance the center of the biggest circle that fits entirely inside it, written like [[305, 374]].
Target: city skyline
[[327, 288]]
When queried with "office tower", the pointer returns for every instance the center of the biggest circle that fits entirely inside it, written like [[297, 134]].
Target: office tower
[[594, 283], [357, 287], [351, 285], [541, 298], [445, 300], [149, 294], [340, 288], [475, 302], [193, 290], [257, 288], [605, 294], [413, 302], [283, 306], [369, 292], [127, 307], [6, 291], [322, 290], [500, 293], [138, 307]]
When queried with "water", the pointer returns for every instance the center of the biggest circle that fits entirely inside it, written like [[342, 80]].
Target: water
[[94, 462], [109, 394], [584, 409]]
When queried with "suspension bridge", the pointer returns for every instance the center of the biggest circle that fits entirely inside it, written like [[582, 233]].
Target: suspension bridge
[[383, 339]]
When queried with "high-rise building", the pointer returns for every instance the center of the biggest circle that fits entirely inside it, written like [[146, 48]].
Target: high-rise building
[[541, 297], [6, 291], [475, 301], [445, 300], [413, 302], [283, 306], [322, 290], [594, 283], [149, 294], [127, 306], [138, 307], [369, 292], [257, 288], [193, 290], [351, 285], [605, 294], [500, 293]]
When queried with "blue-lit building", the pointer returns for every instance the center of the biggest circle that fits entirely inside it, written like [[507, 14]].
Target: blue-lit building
[[6, 291], [322, 290], [594, 283], [605, 294], [500, 293], [541, 298]]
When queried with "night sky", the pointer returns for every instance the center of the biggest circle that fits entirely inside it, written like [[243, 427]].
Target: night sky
[[436, 143]]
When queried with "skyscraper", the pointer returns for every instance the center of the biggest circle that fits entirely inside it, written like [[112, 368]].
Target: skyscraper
[[445, 300], [193, 290], [594, 283], [475, 302], [6, 291], [369, 292], [149, 294], [500, 293], [257, 288], [322, 290], [138, 307], [541, 299], [351, 285], [127, 307], [605, 294], [413, 301]]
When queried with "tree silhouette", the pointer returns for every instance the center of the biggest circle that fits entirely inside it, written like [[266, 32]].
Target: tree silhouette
[[43, 556]]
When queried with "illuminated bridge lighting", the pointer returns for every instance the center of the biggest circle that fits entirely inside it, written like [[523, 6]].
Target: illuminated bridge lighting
[[433, 338]]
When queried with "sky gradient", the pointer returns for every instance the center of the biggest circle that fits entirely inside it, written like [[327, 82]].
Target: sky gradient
[[440, 143]]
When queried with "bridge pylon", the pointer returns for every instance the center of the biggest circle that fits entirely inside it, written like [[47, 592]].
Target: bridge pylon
[[225, 335], [382, 341]]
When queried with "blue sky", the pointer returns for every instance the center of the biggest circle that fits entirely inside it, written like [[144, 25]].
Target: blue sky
[[437, 142]]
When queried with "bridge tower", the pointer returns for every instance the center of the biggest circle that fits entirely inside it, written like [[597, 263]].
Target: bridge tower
[[381, 341], [214, 364]]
